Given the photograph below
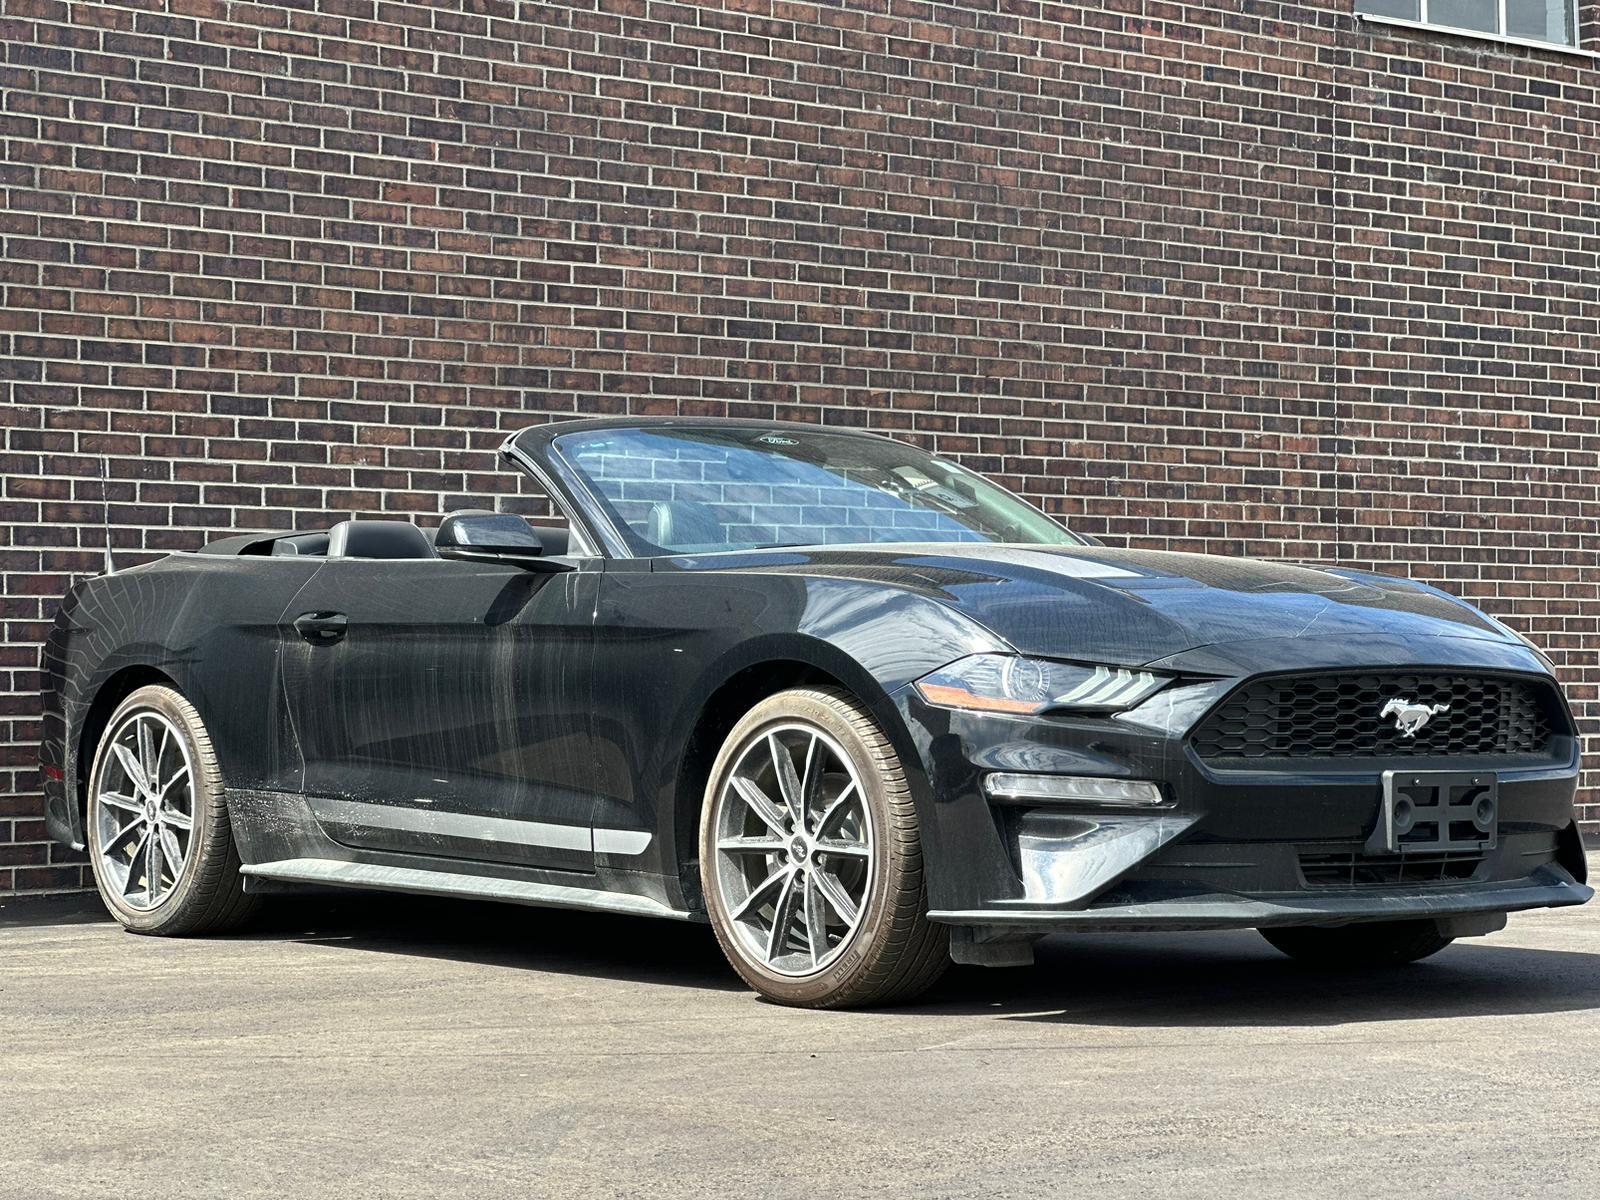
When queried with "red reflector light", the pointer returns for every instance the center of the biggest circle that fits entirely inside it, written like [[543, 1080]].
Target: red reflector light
[[53, 773]]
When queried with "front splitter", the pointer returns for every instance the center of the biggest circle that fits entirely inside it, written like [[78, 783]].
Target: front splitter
[[1549, 887]]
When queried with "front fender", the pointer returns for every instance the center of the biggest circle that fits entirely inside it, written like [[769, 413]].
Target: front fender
[[681, 652]]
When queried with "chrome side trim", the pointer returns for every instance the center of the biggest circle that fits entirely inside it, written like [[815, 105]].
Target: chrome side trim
[[622, 842], [503, 830], [452, 824], [331, 873]]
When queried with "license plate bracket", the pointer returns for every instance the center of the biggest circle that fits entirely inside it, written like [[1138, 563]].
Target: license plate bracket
[[1432, 811]]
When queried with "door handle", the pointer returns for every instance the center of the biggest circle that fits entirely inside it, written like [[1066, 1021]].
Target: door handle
[[321, 628]]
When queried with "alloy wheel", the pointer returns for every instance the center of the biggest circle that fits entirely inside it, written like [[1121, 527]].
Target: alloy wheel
[[794, 849], [144, 810]]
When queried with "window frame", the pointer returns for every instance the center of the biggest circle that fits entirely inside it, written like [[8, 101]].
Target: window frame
[[1423, 21]]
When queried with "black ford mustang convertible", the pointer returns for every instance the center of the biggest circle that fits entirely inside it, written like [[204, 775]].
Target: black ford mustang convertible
[[860, 709]]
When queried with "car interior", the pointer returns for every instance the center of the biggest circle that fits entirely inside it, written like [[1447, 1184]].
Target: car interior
[[364, 538], [673, 525]]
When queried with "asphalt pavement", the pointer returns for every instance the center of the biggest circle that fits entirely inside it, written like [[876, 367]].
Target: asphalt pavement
[[401, 1047]]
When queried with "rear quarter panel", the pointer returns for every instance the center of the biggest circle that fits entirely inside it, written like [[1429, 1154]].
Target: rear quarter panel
[[211, 625]]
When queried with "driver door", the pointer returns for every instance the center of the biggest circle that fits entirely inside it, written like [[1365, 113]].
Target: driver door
[[443, 707]]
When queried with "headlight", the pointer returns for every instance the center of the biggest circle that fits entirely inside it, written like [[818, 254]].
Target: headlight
[[1005, 683]]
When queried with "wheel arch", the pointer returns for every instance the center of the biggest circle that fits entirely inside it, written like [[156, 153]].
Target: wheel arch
[[740, 689]]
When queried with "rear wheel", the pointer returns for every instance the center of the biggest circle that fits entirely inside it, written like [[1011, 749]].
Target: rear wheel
[[811, 857], [1374, 944], [159, 840]]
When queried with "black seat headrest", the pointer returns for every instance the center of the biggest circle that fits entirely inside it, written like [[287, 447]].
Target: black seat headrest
[[378, 539]]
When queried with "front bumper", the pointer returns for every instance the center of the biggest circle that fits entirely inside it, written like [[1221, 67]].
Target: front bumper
[[1233, 849], [1547, 887]]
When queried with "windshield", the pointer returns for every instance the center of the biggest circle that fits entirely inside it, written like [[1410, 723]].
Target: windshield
[[694, 490]]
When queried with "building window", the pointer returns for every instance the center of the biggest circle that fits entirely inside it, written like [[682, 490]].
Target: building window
[[1553, 21]]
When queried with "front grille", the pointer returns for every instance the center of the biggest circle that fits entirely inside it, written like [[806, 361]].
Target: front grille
[[1339, 715], [1356, 870]]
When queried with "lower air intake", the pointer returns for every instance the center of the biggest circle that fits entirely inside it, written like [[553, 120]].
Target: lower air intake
[[1356, 870]]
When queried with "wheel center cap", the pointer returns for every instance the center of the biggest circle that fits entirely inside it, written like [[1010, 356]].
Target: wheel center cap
[[150, 810], [797, 848]]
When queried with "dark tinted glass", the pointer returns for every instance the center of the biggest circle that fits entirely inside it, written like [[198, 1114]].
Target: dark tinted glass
[[687, 489]]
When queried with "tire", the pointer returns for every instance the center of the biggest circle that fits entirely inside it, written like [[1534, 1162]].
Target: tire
[[205, 894], [856, 931], [1361, 946]]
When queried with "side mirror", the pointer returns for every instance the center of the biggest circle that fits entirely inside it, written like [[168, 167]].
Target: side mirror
[[493, 537]]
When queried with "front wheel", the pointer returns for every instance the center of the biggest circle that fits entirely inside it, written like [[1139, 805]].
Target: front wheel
[[811, 858], [159, 840], [1365, 945]]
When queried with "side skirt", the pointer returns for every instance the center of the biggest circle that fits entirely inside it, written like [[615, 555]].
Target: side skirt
[[331, 873]]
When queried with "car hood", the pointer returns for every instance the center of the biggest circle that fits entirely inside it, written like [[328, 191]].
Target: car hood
[[1134, 607]]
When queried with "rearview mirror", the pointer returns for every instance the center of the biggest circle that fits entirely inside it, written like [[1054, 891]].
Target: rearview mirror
[[492, 537]]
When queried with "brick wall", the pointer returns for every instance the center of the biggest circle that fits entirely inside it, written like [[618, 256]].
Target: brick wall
[[1241, 276]]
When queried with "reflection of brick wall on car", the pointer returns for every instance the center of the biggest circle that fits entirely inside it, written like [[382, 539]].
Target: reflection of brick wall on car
[[719, 482]]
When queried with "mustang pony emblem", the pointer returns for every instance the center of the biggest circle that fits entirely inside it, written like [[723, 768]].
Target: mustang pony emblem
[[1409, 718]]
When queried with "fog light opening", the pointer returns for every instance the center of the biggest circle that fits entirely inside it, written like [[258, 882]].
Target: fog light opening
[[1074, 789]]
